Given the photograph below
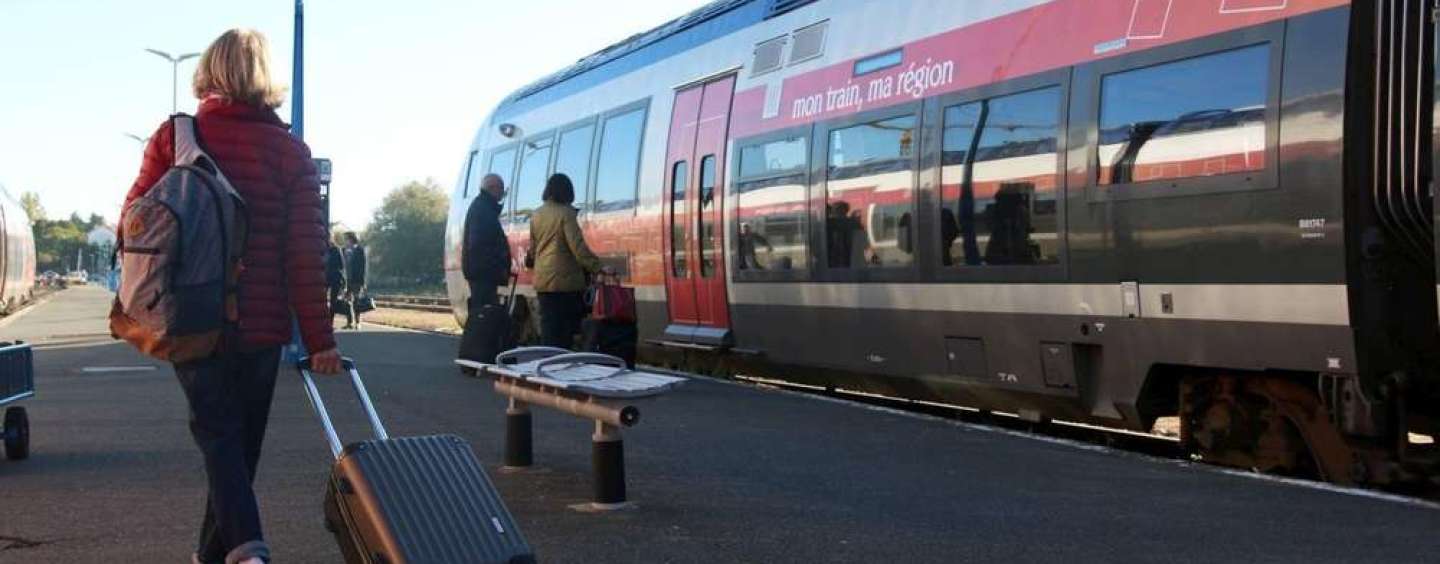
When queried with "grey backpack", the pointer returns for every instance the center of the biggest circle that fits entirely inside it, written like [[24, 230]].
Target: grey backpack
[[179, 251]]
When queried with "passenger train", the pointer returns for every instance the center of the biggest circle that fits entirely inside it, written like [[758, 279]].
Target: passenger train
[[1099, 211], [17, 254]]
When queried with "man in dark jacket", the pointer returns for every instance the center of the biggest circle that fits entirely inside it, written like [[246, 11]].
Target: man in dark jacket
[[486, 254], [485, 262], [335, 281], [354, 277]]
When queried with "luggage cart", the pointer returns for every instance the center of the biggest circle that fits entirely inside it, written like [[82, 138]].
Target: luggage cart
[[17, 382]]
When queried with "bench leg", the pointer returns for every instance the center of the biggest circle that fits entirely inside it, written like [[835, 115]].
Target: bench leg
[[518, 451], [608, 462]]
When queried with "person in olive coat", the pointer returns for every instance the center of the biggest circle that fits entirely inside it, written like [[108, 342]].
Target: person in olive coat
[[561, 261]]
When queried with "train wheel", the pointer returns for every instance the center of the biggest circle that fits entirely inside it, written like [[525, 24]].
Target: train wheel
[[17, 434], [1264, 423]]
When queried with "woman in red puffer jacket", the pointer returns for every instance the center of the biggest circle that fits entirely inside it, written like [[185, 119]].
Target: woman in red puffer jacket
[[282, 271]]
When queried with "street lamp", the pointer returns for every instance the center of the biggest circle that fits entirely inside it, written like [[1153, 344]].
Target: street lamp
[[174, 74], [139, 139]]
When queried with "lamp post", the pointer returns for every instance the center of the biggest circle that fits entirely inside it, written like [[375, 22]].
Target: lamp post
[[174, 74], [138, 139]]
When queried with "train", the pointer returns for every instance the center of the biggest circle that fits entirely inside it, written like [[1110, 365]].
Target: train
[[1108, 212], [17, 254]]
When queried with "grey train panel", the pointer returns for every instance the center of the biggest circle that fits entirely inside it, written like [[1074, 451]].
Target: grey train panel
[[908, 353]]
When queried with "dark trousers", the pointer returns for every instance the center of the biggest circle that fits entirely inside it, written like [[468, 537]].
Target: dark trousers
[[560, 315], [481, 294], [229, 399]]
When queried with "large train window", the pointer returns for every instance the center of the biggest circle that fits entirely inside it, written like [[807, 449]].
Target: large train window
[[999, 177], [1195, 117], [572, 158], [869, 193], [530, 181], [771, 210], [617, 174]]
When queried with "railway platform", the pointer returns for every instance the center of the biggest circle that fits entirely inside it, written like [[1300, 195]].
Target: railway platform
[[719, 472]]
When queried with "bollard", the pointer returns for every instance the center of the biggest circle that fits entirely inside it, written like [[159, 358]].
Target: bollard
[[518, 451], [608, 463]]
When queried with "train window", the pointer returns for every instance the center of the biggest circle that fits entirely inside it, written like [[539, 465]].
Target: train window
[[618, 174], [706, 219], [999, 173], [472, 176], [530, 181], [679, 210], [868, 194], [572, 158], [770, 231], [502, 163], [1202, 116]]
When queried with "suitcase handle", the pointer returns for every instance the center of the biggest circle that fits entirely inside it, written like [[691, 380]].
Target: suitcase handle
[[571, 359], [318, 403]]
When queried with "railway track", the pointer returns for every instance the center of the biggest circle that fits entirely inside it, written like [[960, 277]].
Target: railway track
[[417, 303]]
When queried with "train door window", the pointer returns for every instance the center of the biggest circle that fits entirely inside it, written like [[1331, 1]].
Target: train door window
[[679, 227], [999, 177], [1196, 117], [472, 176], [530, 181], [618, 172], [502, 164], [869, 194], [572, 158], [705, 218], [771, 210]]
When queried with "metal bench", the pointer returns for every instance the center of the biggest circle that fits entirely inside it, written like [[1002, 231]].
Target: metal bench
[[17, 382], [588, 385]]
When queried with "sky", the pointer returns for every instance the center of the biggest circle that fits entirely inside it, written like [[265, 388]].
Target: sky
[[394, 91]]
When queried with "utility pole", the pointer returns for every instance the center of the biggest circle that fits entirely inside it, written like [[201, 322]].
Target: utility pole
[[174, 75], [297, 102]]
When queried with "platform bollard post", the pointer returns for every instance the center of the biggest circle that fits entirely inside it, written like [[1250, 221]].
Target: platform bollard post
[[518, 451], [608, 462]]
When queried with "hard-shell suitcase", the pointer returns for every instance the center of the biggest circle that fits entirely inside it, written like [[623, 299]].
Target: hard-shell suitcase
[[610, 337], [412, 499], [490, 330]]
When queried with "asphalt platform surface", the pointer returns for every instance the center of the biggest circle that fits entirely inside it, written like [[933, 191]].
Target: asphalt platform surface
[[719, 472]]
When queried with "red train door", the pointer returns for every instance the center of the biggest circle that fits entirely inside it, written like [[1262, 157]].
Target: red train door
[[694, 226]]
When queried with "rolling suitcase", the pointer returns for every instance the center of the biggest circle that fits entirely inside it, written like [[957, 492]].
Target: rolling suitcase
[[614, 338], [489, 331], [412, 499]]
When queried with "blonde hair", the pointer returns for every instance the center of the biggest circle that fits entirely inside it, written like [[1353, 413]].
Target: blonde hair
[[237, 67]]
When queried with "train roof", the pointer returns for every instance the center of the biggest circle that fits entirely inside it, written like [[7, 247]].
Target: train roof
[[707, 23]]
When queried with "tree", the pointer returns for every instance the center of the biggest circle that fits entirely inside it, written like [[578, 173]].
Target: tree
[[406, 236], [31, 202]]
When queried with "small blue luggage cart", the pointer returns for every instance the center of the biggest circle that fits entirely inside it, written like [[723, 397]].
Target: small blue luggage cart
[[17, 382]]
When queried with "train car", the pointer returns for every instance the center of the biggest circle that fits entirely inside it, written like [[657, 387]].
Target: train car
[[1100, 211], [17, 254]]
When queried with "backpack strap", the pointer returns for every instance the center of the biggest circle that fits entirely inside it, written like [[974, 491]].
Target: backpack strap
[[188, 150]]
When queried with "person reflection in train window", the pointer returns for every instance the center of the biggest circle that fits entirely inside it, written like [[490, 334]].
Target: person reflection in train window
[[748, 242], [949, 232], [1010, 226], [562, 260], [837, 234]]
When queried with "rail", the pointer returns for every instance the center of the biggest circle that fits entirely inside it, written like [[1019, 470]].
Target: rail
[[416, 303]]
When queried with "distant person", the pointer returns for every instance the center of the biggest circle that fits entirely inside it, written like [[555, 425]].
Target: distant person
[[355, 267], [485, 257], [229, 393], [485, 262], [749, 240], [561, 261], [335, 279]]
